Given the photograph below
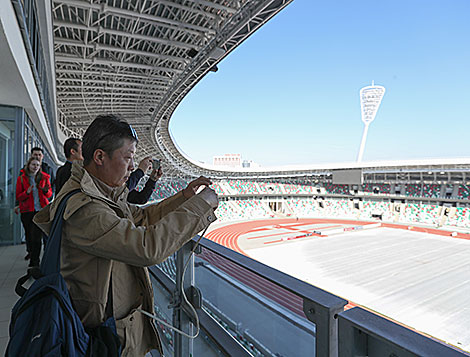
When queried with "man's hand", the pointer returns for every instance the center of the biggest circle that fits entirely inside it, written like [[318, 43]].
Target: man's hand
[[209, 195], [145, 164], [17, 209], [156, 174], [194, 185]]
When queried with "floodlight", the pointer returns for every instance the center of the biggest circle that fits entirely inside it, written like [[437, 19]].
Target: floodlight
[[371, 97]]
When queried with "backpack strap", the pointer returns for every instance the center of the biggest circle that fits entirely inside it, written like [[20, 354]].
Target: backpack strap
[[50, 263], [19, 288], [33, 273]]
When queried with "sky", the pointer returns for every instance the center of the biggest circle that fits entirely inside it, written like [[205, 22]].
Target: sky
[[289, 94]]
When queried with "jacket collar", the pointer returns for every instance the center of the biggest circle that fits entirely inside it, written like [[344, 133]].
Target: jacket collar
[[94, 187], [89, 185]]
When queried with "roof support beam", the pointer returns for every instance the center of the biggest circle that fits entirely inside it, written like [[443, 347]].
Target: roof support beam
[[90, 95], [98, 103], [102, 30], [174, 25], [78, 111], [80, 89], [109, 83], [135, 125], [94, 60], [122, 74], [215, 6], [97, 47]]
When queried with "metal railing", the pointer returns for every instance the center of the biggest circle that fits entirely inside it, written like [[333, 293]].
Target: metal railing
[[246, 308]]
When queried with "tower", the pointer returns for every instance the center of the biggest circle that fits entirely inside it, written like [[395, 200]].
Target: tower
[[371, 97]]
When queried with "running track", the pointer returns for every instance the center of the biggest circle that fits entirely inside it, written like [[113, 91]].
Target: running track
[[228, 237]]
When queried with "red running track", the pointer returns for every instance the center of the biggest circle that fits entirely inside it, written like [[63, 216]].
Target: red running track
[[228, 235]]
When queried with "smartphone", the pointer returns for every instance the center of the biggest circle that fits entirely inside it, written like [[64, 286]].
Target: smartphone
[[156, 163]]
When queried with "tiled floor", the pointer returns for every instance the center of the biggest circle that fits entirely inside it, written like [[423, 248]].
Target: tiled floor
[[12, 266]]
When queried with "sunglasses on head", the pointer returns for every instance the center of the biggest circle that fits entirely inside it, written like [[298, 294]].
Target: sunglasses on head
[[127, 127], [133, 132]]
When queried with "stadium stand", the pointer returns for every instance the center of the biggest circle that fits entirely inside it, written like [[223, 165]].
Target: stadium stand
[[337, 209], [461, 218], [163, 189], [376, 188], [296, 189], [416, 213], [373, 209], [302, 207], [216, 186], [431, 190], [178, 185], [413, 190], [464, 191], [270, 188], [338, 189], [243, 187], [227, 212], [253, 209], [411, 212]]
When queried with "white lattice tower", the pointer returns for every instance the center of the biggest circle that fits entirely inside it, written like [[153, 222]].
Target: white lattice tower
[[371, 97]]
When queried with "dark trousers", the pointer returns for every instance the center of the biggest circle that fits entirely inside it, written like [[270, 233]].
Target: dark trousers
[[33, 237]]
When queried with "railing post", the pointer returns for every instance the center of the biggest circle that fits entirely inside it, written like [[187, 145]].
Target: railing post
[[183, 346], [326, 326]]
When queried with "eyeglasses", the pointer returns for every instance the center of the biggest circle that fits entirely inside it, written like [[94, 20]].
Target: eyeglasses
[[127, 127]]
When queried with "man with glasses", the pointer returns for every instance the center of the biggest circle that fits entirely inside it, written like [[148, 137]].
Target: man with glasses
[[107, 243]]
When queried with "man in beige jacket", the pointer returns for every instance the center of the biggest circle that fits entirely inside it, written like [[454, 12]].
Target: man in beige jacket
[[107, 243]]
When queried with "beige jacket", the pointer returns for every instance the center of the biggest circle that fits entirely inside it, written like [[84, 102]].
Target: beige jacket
[[104, 237]]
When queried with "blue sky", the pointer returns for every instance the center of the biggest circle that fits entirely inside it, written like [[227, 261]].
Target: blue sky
[[290, 93]]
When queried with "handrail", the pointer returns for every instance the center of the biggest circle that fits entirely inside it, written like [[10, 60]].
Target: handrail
[[362, 332]]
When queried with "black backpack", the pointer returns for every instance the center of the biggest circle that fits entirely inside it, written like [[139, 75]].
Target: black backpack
[[44, 322]]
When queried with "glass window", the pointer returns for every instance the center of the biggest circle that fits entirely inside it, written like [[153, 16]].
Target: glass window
[[8, 219]]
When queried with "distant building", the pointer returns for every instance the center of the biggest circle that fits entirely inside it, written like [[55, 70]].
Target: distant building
[[249, 163], [232, 160]]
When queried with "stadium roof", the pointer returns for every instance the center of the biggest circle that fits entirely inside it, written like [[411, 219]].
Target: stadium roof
[[139, 58]]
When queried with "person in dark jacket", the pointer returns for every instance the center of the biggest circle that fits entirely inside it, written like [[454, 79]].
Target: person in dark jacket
[[137, 174], [73, 152], [141, 197], [33, 189]]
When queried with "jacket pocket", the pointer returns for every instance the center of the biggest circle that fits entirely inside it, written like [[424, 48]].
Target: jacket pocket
[[128, 330]]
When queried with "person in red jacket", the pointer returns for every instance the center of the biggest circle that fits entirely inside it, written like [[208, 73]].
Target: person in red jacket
[[33, 188]]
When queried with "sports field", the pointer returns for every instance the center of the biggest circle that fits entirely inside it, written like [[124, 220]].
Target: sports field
[[416, 276]]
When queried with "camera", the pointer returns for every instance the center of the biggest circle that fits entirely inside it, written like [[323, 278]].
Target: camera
[[156, 163]]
